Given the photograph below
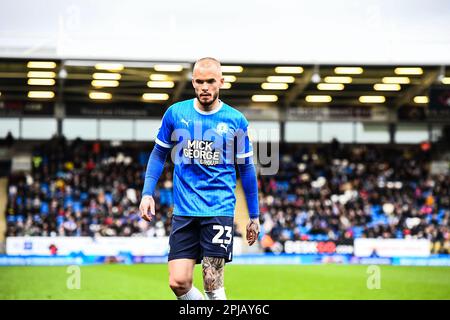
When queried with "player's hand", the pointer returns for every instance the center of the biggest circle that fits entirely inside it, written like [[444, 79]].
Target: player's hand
[[147, 208], [252, 231]]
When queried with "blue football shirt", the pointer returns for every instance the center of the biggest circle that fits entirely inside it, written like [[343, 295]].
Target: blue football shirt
[[205, 147]]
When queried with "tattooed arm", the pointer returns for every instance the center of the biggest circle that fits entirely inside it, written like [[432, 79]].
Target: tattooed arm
[[253, 228]]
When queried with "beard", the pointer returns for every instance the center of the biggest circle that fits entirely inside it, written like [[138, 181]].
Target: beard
[[207, 104]]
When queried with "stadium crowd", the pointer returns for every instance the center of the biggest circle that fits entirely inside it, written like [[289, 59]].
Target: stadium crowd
[[321, 192], [85, 189], [337, 192]]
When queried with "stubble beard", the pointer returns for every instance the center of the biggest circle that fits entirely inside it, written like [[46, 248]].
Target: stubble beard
[[207, 105]]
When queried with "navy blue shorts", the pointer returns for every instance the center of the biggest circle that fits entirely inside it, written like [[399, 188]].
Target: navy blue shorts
[[198, 237]]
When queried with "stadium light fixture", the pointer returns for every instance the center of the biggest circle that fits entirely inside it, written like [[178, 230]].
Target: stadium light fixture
[[159, 77], [318, 98], [316, 78], [372, 99], [274, 86], [348, 70], [41, 82], [226, 85], [446, 80], [160, 84], [264, 98], [41, 65], [441, 74], [331, 86], [105, 83], [62, 74], [285, 79], [41, 74], [41, 94], [337, 79], [289, 70], [408, 71], [155, 96], [399, 80], [109, 66], [421, 99], [387, 87], [232, 69], [168, 67], [229, 78], [100, 95], [106, 76]]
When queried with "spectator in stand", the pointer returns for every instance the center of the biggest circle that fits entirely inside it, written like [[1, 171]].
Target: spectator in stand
[[326, 192]]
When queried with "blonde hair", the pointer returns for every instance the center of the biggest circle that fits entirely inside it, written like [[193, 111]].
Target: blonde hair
[[207, 61]]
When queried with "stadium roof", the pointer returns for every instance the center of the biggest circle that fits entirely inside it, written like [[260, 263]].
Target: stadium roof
[[162, 83]]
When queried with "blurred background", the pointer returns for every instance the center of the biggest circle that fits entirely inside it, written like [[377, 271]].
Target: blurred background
[[349, 111]]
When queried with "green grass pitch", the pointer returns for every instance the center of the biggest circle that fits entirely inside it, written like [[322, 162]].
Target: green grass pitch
[[253, 282]]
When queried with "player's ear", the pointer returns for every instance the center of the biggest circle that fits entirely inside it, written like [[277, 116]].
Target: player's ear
[[222, 81]]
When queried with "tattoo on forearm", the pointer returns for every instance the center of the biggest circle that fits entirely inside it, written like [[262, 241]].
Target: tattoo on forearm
[[213, 273]]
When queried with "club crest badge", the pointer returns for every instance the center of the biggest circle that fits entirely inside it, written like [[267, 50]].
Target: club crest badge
[[222, 128]]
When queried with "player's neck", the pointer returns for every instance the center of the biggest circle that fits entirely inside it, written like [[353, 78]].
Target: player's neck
[[209, 108]]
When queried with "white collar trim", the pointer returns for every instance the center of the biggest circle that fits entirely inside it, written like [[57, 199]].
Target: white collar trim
[[207, 112]]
